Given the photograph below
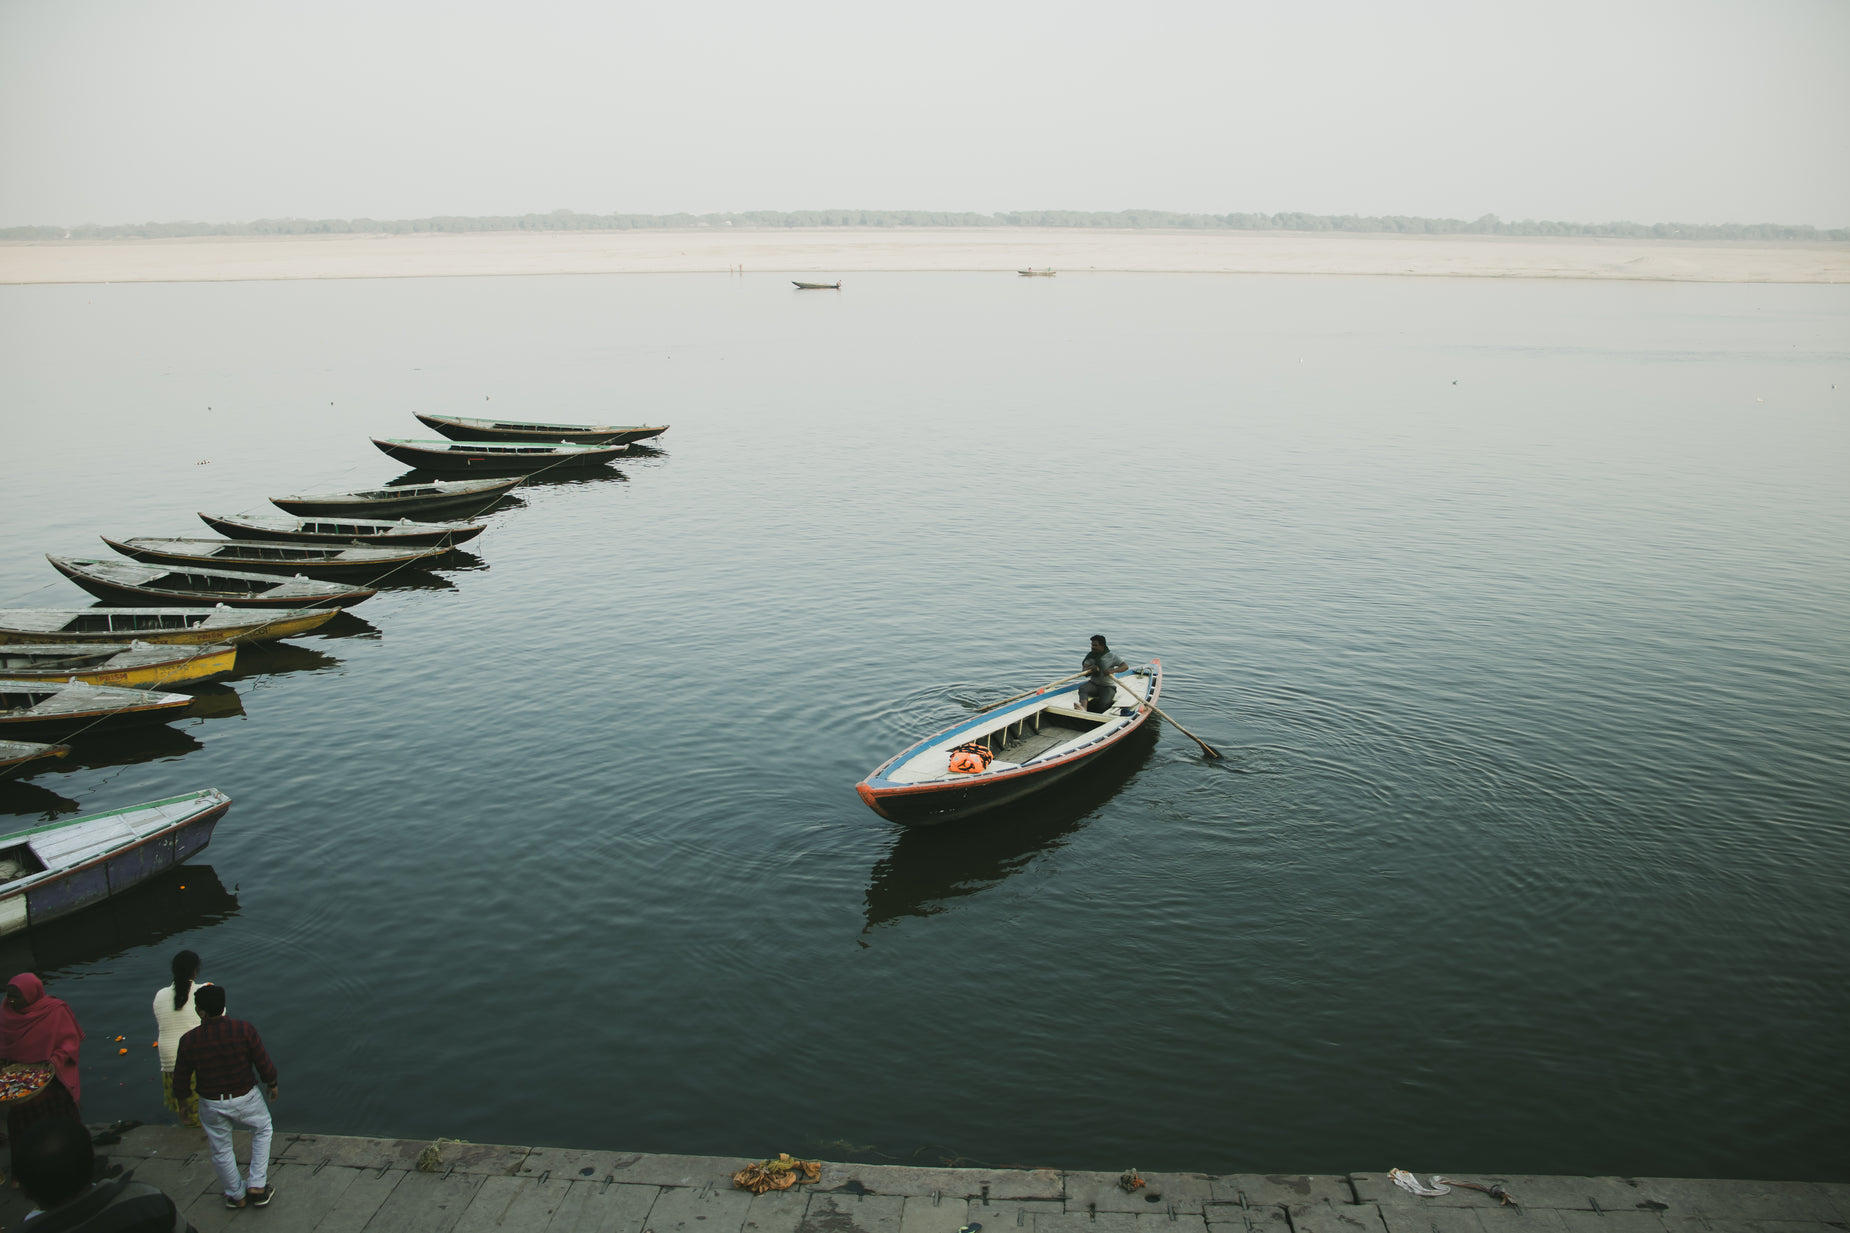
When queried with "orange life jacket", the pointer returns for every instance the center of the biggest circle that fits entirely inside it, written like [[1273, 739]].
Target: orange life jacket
[[970, 759]]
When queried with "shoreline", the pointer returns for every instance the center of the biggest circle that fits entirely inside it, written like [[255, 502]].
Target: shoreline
[[353, 1183], [832, 251]]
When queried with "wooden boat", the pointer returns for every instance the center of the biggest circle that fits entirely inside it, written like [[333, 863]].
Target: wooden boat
[[53, 870], [169, 626], [125, 582], [59, 709], [463, 428], [334, 561], [505, 457], [12, 753], [834, 286], [399, 500], [276, 528], [1047, 273], [1035, 742], [135, 665]]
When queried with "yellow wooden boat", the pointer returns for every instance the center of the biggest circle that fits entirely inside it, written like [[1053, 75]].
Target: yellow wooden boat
[[186, 626], [135, 665]]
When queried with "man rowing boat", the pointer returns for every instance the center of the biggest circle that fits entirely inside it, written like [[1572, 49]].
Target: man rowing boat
[[1099, 688]]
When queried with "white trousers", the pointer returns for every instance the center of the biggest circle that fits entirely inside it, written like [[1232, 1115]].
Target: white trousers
[[218, 1117]]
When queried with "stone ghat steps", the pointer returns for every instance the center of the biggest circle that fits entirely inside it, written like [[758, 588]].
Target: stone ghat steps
[[329, 1183]]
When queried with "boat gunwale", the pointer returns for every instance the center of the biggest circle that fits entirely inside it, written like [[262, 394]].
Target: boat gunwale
[[19, 886], [876, 786]]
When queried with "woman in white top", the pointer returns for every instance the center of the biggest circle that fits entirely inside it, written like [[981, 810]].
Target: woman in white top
[[174, 1017]]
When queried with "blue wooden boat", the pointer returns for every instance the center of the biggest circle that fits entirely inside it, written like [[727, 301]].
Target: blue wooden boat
[[53, 870], [1032, 743]]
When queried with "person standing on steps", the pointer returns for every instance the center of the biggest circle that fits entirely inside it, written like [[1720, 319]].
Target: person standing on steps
[[175, 1016], [36, 1027], [219, 1056]]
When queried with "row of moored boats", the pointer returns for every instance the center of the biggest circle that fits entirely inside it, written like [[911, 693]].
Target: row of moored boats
[[178, 608]]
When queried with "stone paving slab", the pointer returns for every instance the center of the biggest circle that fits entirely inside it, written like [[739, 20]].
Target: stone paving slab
[[963, 1183], [1186, 1192], [1284, 1189], [603, 1207], [340, 1184]]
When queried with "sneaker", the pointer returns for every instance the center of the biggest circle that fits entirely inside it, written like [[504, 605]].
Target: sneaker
[[236, 1205], [261, 1198]]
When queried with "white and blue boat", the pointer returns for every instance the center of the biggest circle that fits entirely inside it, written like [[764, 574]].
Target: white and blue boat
[[59, 868], [1028, 745]]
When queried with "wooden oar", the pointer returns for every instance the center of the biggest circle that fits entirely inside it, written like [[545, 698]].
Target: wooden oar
[[1018, 697], [1206, 748]]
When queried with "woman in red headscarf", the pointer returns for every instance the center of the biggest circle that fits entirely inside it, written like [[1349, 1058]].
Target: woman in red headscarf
[[36, 1027]]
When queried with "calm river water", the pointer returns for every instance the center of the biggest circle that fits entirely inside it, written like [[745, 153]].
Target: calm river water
[[1520, 610]]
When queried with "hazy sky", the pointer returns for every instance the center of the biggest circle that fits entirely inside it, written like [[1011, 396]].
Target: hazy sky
[[176, 109]]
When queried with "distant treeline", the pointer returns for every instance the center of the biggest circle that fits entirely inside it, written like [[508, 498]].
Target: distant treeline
[[568, 220]]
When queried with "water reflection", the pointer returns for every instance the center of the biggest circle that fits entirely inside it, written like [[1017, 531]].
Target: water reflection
[[214, 700], [929, 866], [29, 800], [345, 625], [180, 900], [596, 473], [279, 659], [127, 747]]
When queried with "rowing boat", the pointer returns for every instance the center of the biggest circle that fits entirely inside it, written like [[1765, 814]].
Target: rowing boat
[[359, 562], [491, 457], [125, 582], [53, 870], [1036, 273], [1034, 742], [182, 626], [404, 532], [12, 753], [463, 428], [59, 709], [834, 286], [135, 665], [399, 500]]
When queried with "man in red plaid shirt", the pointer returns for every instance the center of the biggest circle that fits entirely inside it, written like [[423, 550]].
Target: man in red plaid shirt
[[220, 1054]]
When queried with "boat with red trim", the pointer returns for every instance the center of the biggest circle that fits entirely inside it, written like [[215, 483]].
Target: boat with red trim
[[1021, 748]]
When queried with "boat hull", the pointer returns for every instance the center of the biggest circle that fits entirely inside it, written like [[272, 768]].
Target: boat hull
[[105, 714], [464, 429], [500, 460], [12, 753], [950, 799], [52, 893], [326, 570], [130, 593], [418, 499], [171, 626], [332, 531], [176, 667]]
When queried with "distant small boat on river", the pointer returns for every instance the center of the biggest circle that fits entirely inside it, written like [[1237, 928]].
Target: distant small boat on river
[[834, 286], [126, 582], [462, 428], [12, 753], [137, 665], [505, 457], [356, 561], [1031, 743], [1047, 273], [274, 527], [399, 500], [184, 626], [53, 870], [57, 709]]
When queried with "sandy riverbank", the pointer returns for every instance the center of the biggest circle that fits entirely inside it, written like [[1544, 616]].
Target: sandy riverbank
[[833, 251]]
